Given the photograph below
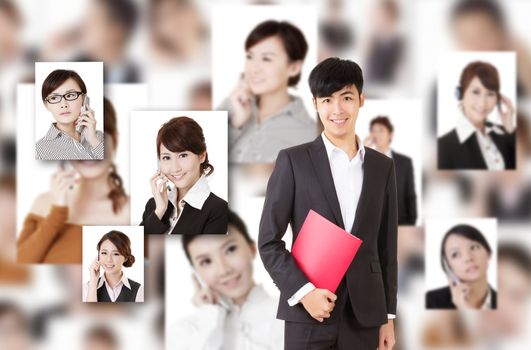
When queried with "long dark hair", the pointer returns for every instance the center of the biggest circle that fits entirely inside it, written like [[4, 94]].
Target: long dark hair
[[117, 194]]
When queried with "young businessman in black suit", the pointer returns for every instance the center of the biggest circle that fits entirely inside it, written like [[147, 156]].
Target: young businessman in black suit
[[352, 186]]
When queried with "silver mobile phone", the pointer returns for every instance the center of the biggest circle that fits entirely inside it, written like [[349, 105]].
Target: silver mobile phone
[[84, 108], [450, 273]]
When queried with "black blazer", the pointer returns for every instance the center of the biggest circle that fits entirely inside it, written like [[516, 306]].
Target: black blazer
[[212, 218], [442, 299], [453, 155], [405, 189], [302, 180]]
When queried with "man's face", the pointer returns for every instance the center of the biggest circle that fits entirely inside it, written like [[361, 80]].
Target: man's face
[[339, 112], [381, 136]]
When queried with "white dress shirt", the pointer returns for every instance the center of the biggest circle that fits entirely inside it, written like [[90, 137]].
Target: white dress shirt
[[253, 326], [195, 197], [115, 292], [491, 154], [348, 181]]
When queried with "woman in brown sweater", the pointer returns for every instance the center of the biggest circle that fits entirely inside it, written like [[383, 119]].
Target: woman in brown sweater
[[91, 193]]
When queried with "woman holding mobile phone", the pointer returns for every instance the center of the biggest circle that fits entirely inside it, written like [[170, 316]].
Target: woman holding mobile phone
[[74, 134], [465, 256], [263, 116], [89, 193], [226, 296], [477, 143], [182, 202], [114, 252]]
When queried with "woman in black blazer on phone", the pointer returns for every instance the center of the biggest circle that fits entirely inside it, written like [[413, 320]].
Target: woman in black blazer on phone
[[465, 256], [182, 202], [476, 143]]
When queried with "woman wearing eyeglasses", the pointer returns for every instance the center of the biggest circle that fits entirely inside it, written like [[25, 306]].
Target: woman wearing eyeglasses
[[74, 134]]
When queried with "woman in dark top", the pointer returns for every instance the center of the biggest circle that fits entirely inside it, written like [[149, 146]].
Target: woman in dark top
[[476, 143], [182, 202], [114, 252], [465, 255]]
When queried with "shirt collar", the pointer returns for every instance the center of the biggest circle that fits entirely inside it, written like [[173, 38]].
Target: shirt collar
[[330, 147], [295, 108], [465, 128], [124, 280], [196, 195], [53, 132]]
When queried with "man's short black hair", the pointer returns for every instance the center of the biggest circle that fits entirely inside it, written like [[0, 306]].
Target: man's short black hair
[[333, 74]]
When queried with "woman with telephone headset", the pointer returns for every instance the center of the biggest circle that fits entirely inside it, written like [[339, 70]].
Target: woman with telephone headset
[[182, 202], [114, 252], [263, 116], [476, 143], [89, 193], [74, 134], [233, 312], [465, 256]]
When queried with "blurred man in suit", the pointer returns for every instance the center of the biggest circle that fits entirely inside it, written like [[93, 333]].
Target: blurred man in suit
[[380, 138]]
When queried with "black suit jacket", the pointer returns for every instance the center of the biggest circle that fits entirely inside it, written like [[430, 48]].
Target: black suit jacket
[[453, 155], [405, 189], [302, 180], [442, 299], [211, 219]]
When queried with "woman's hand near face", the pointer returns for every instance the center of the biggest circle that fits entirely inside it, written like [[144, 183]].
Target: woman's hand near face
[[160, 194], [460, 293], [94, 271], [87, 120], [202, 296], [62, 181], [507, 112], [240, 99]]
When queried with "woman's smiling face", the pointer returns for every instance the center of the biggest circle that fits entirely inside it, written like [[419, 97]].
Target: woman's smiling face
[[110, 258], [478, 102], [225, 263], [183, 169]]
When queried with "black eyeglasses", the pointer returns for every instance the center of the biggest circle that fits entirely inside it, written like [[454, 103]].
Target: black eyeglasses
[[69, 96]]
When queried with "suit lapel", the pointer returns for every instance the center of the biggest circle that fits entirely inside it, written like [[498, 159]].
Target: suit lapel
[[369, 181], [321, 166]]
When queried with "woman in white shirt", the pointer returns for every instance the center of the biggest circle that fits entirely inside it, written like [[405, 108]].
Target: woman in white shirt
[[233, 312], [114, 252], [476, 143]]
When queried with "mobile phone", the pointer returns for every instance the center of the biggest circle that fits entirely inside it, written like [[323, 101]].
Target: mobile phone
[[219, 299], [168, 182], [84, 108], [450, 273]]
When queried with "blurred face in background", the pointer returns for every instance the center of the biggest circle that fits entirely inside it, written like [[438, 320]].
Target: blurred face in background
[[514, 292], [225, 263], [176, 28], [478, 32], [381, 136], [14, 332], [268, 67], [468, 259]]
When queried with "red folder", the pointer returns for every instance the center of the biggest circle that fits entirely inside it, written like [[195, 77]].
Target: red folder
[[324, 251]]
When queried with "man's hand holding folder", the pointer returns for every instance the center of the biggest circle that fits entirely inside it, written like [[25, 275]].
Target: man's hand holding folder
[[323, 251]]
